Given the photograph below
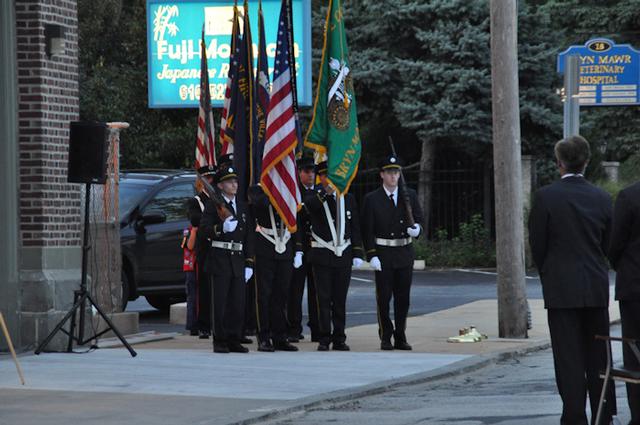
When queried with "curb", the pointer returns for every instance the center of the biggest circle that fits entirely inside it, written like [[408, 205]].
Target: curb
[[458, 368]]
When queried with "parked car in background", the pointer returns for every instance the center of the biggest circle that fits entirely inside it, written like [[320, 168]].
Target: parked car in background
[[153, 215]]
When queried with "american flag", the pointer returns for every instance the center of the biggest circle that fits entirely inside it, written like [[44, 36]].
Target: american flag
[[225, 142], [205, 152], [278, 177]]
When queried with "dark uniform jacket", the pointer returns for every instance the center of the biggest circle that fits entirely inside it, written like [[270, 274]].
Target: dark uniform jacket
[[319, 225], [195, 215], [303, 235], [624, 252], [382, 219], [260, 207], [569, 229], [223, 259]]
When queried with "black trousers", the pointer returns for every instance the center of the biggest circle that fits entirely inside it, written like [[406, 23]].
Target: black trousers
[[203, 299], [578, 358], [228, 306], [272, 279], [394, 283], [630, 317], [294, 302], [332, 285]]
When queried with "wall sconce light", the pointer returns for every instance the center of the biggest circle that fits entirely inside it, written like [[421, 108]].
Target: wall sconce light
[[54, 39]]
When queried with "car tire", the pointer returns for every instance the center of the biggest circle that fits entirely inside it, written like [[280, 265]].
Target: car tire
[[162, 303], [126, 288]]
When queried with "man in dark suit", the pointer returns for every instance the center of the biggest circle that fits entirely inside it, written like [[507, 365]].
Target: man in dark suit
[[387, 239], [569, 228], [306, 176], [274, 248], [624, 254], [335, 248], [230, 263], [203, 289]]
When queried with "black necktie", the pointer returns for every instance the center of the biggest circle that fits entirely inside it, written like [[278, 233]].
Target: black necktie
[[392, 201], [231, 207]]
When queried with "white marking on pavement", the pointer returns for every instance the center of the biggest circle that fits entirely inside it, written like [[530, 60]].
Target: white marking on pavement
[[361, 279], [487, 273]]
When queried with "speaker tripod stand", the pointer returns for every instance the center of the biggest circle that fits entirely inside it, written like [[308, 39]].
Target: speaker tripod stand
[[80, 298]]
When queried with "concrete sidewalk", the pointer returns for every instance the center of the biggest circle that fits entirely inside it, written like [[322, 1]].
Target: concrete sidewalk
[[181, 381]]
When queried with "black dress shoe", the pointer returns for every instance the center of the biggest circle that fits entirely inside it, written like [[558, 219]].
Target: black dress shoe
[[265, 346], [204, 335], [386, 345], [193, 332], [220, 347], [402, 345], [323, 347], [293, 339], [284, 346], [341, 346], [245, 340], [236, 347]]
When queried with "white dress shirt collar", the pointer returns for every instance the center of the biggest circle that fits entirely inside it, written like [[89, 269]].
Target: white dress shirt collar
[[394, 193]]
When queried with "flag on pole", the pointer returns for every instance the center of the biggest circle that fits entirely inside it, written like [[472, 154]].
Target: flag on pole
[[205, 152], [334, 126], [278, 177], [261, 99], [227, 123], [243, 95]]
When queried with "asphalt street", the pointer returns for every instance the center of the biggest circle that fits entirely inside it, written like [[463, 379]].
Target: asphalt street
[[432, 290], [518, 391]]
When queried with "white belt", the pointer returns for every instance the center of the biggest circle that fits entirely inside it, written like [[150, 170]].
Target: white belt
[[318, 242], [231, 246], [393, 242], [279, 242]]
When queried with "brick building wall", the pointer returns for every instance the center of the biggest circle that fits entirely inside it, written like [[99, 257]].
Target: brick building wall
[[48, 101]]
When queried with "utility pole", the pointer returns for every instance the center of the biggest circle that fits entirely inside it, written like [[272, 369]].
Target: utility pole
[[512, 298]]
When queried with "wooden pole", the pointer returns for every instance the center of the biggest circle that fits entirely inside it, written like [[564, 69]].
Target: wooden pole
[[10, 344], [512, 301]]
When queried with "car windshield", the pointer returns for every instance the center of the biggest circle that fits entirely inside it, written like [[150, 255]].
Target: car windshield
[[130, 196]]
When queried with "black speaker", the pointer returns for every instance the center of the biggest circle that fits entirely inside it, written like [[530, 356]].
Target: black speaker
[[88, 152]]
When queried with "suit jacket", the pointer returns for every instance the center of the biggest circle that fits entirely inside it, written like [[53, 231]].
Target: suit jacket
[[569, 230], [261, 205], [624, 251], [321, 256], [382, 219], [222, 260]]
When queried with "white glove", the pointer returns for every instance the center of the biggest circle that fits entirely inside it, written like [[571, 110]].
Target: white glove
[[414, 230], [229, 224], [357, 262], [297, 260], [375, 264], [248, 272]]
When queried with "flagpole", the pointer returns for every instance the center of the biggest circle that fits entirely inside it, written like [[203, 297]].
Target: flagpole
[[294, 72]]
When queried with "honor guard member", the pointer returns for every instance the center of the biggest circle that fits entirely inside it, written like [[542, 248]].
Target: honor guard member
[[307, 177], [203, 298], [387, 239], [273, 265], [229, 263], [335, 248]]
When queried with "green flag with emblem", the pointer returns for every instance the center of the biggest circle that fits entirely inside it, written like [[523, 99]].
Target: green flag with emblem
[[334, 126]]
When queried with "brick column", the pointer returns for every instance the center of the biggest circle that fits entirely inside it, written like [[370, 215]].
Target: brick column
[[50, 215]]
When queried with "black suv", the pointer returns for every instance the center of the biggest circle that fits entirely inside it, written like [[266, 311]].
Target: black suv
[[153, 215]]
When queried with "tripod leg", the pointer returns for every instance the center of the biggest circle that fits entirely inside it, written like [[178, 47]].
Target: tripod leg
[[59, 326], [72, 326], [112, 327]]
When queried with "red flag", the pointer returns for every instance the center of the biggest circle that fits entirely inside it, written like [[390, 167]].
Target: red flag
[[205, 152], [228, 109], [278, 178]]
